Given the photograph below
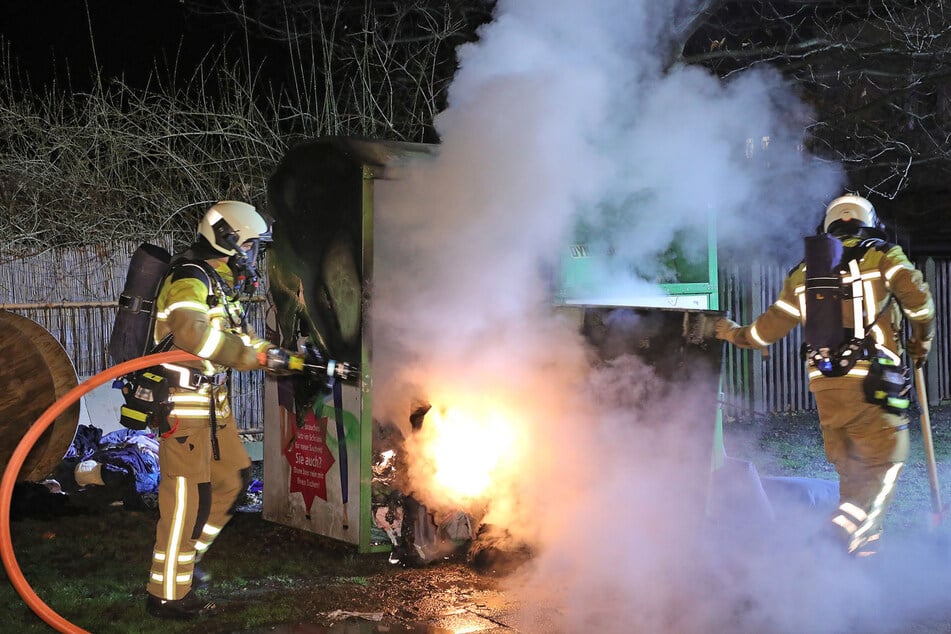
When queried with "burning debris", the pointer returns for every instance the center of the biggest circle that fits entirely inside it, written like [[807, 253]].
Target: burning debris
[[419, 534], [446, 488]]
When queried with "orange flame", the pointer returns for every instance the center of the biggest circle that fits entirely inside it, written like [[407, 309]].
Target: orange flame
[[469, 452]]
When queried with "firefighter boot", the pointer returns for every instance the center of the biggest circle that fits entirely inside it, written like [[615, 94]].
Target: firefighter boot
[[188, 607]]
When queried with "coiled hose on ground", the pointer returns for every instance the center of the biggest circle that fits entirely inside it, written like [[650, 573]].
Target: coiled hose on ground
[[20, 454]]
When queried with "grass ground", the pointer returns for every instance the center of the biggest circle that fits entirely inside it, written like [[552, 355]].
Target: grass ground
[[90, 567], [791, 445]]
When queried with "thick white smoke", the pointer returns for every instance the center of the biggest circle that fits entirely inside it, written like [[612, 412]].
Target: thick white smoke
[[564, 111]]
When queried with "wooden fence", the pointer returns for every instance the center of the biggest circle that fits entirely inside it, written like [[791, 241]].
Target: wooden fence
[[72, 293]]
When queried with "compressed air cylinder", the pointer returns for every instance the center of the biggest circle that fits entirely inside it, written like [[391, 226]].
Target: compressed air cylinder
[[824, 326], [131, 332]]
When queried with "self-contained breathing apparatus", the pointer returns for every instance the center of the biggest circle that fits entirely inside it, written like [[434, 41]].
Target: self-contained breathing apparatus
[[146, 392], [229, 229], [833, 284]]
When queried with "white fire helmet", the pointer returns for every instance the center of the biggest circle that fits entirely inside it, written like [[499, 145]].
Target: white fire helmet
[[228, 224], [851, 209]]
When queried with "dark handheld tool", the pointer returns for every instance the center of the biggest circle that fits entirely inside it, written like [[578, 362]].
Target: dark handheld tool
[[308, 361], [317, 365], [937, 513]]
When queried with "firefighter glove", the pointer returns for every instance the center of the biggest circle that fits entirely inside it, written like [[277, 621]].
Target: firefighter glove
[[918, 350], [725, 328]]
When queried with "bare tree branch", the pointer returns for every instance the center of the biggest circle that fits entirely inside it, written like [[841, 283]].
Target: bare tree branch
[[876, 73]]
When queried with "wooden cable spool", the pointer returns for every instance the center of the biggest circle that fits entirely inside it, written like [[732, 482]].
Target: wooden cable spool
[[36, 371]]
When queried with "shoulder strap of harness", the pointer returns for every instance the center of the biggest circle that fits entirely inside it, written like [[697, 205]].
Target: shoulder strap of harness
[[836, 360], [200, 270], [850, 259]]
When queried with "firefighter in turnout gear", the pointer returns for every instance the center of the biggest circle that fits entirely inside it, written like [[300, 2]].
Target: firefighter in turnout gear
[[850, 293], [204, 465]]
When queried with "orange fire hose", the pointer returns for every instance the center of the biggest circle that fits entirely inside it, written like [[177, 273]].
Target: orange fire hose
[[23, 450]]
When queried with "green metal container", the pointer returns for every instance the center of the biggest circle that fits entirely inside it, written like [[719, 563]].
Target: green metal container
[[318, 467]]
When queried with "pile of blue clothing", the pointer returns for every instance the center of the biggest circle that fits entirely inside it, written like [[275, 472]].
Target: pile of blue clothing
[[120, 466]]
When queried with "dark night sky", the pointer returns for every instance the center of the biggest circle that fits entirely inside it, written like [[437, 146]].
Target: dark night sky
[[132, 38]]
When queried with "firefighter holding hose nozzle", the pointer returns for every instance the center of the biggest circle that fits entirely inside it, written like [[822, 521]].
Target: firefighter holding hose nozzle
[[850, 293], [204, 465]]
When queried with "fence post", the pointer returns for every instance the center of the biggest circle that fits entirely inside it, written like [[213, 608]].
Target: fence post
[[931, 373], [756, 358]]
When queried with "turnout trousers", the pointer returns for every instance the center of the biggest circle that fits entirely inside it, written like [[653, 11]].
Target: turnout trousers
[[868, 447], [197, 493]]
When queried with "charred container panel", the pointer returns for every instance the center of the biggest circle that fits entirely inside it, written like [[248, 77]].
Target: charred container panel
[[684, 357], [316, 198]]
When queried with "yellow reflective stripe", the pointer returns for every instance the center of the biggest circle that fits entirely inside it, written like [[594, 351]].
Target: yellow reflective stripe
[[184, 578], [208, 368], [186, 558], [923, 311], [800, 292], [814, 374], [208, 529], [201, 546], [879, 335], [183, 374], [868, 275], [262, 344], [187, 305], [858, 372], [871, 303], [157, 578], [849, 526], [858, 320], [133, 414], [190, 397], [157, 556], [212, 344], [755, 335], [890, 273], [888, 353], [888, 483], [853, 510], [175, 538], [787, 308], [189, 413]]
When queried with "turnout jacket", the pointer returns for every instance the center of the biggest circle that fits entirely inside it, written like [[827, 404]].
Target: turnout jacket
[[200, 312], [890, 287]]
